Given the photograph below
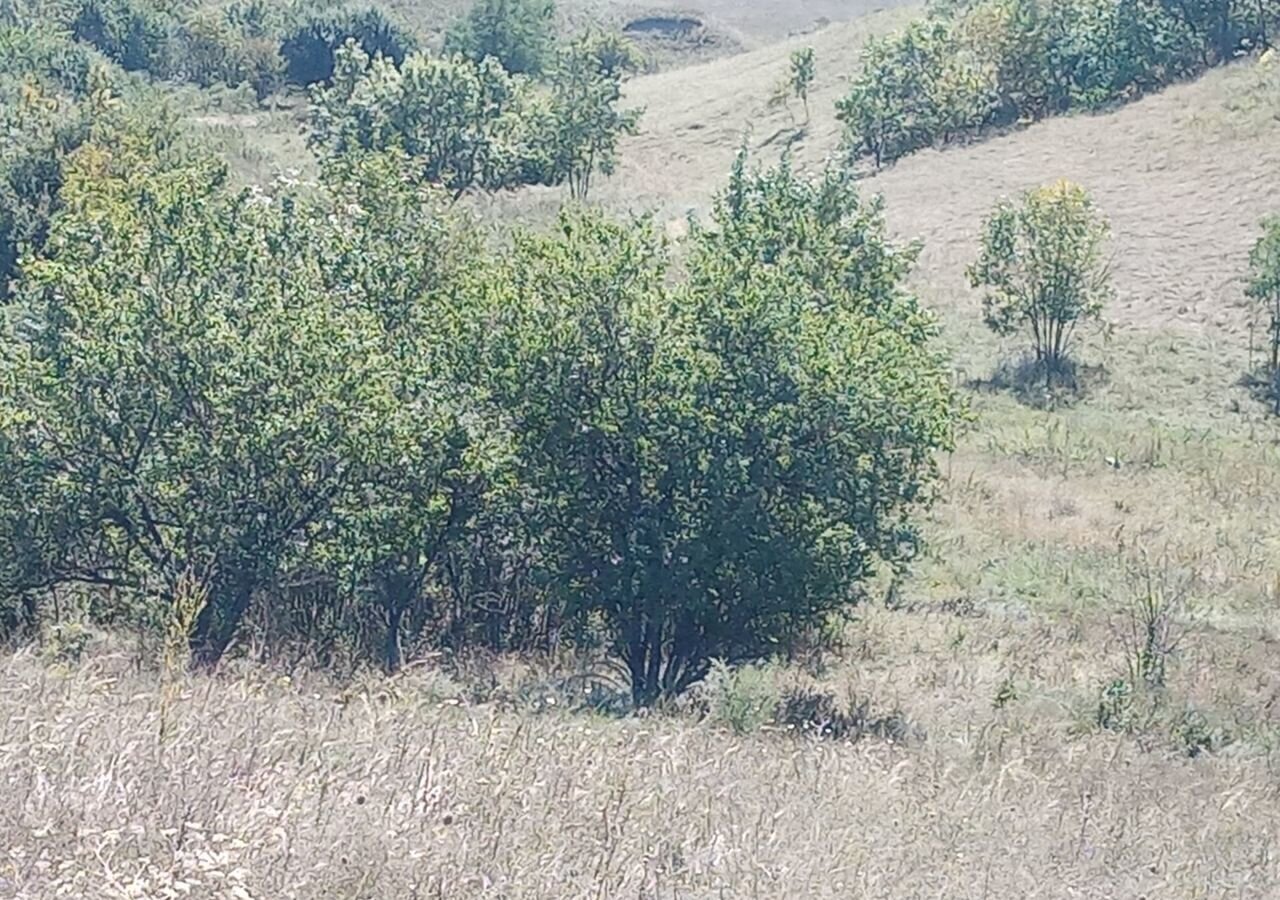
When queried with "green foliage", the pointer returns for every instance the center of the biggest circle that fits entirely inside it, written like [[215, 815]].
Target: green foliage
[[1043, 269], [462, 122], [519, 34], [801, 74], [914, 88], [1115, 710], [578, 129], [472, 125], [133, 33], [1264, 289], [723, 463], [221, 395], [45, 55], [434, 454], [42, 119], [218, 49], [309, 49], [197, 382], [975, 64], [742, 699]]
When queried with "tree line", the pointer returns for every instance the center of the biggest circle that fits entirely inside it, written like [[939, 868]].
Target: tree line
[[341, 419], [237, 394], [970, 66]]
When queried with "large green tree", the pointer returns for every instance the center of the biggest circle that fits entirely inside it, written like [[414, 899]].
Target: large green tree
[[721, 465], [194, 383]]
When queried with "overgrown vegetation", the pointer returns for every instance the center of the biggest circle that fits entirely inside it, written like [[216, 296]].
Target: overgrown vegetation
[[223, 393], [544, 475], [974, 65], [310, 48], [473, 125], [519, 34]]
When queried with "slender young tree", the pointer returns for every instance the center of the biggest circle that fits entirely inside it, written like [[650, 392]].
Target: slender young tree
[[1043, 269]]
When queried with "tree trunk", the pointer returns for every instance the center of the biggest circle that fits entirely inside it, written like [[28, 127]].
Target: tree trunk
[[391, 649], [219, 620]]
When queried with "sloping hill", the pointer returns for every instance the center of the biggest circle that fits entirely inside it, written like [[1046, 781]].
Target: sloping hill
[[1184, 176]]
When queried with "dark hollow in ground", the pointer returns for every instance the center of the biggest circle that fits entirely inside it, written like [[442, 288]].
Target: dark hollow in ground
[[663, 26]]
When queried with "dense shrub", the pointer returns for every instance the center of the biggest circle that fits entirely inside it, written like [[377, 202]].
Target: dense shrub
[[520, 34], [45, 55], [1043, 270], [217, 51], [132, 33], [207, 393], [430, 463], [915, 88], [41, 121], [975, 64], [472, 124], [309, 48], [462, 122], [724, 463]]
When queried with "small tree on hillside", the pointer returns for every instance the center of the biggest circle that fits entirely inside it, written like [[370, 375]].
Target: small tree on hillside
[[1043, 269], [798, 80], [520, 34], [581, 124], [1264, 287]]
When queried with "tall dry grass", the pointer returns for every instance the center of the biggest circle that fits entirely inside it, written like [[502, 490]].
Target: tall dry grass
[[269, 786]]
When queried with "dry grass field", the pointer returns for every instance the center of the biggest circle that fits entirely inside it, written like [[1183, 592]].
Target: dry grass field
[[1007, 770]]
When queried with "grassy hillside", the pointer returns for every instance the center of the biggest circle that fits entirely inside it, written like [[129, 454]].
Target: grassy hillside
[[980, 765]]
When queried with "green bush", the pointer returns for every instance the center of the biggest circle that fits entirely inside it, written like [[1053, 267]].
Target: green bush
[[45, 54], [39, 127], [427, 463], [195, 362], [132, 33], [688, 504], [212, 393], [1043, 270], [742, 699], [472, 125], [1264, 289], [217, 51], [519, 34], [914, 89], [460, 121], [576, 133], [309, 47]]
